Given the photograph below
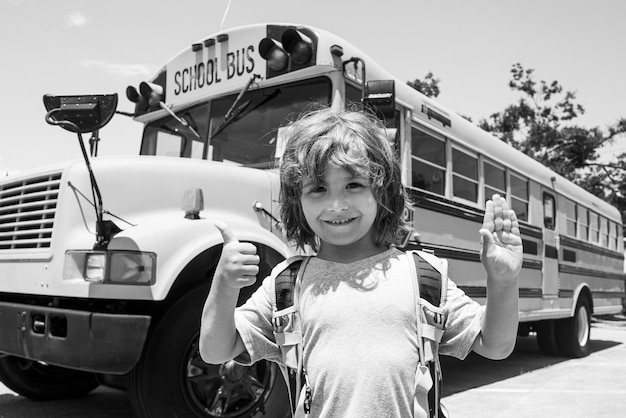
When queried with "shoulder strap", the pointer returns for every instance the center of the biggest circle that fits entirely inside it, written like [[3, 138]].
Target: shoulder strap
[[286, 325], [433, 277], [284, 284]]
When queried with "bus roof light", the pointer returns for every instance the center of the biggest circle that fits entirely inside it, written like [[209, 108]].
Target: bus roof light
[[152, 92], [133, 95], [272, 51], [298, 45]]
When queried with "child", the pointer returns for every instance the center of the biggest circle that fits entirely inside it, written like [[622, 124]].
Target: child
[[341, 194]]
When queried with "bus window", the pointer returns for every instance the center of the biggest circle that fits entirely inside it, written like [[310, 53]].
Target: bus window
[[571, 217], [249, 137], [464, 175], [594, 227], [184, 136], [353, 94], [604, 232], [519, 196], [612, 235], [549, 211], [428, 165], [169, 145], [495, 180], [583, 221]]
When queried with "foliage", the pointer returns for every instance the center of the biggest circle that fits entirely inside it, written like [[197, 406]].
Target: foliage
[[540, 124], [429, 87]]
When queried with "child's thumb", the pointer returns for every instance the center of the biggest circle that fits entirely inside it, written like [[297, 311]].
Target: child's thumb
[[486, 240], [227, 234]]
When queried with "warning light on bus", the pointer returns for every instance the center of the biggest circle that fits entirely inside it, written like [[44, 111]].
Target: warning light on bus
[[273, 52], [152, 92], [298, 45], [149, 95], [287, 49]]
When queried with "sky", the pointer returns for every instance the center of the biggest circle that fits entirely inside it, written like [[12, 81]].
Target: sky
[[67, 47]]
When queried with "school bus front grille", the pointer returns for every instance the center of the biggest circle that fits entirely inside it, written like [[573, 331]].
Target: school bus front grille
[[27, 209]]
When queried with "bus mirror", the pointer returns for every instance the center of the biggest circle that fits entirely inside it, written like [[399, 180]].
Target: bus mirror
[[80, 114], [380, 96]]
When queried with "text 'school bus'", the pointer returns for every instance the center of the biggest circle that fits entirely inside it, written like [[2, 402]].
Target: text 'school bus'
[[105, 262]]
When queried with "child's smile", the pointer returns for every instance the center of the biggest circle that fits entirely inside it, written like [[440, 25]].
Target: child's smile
[[341, 210]]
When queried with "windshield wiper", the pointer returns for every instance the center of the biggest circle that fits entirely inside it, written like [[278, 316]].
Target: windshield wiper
[[180, 120], [236, 107]]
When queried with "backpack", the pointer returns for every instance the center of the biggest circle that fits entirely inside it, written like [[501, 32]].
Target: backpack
[[430, 289]]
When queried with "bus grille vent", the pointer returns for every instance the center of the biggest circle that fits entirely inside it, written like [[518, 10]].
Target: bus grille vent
[[27, 209]]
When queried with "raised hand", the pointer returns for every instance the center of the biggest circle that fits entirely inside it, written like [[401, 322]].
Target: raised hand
[[501, 244], [239, 263]]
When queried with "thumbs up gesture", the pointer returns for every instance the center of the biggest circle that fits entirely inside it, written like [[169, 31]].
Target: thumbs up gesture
[[239, 263]]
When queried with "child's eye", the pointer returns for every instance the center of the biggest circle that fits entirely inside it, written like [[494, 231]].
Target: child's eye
[[357, 185], [315, 189]]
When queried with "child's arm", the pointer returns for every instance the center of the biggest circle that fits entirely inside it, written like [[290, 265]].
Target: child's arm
[[237, 268], [501, 255]]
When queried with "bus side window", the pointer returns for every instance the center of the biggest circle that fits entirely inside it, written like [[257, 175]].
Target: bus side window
[[428, 162], [583, 218], [549, 211], [495, 180], [519, 196], [571, 216]]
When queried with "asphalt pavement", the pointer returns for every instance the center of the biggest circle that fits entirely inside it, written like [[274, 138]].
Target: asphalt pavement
[[530, 384], [527, 384]]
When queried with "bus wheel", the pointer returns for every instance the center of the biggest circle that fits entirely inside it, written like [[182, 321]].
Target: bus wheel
[[42, 382], [573, 333], [172, 380], [546, 337]]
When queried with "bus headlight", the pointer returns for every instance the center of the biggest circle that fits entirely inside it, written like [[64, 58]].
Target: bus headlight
[[110, 267]]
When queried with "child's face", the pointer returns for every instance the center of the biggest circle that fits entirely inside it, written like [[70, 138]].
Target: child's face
[[341, 210]]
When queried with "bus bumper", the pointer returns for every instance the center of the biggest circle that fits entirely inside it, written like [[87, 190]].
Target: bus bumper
[[82, 340]]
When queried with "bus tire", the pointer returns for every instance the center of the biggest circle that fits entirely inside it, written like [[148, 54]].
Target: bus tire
[[172, 380], [546, 337], [573, 334], [43, 382]]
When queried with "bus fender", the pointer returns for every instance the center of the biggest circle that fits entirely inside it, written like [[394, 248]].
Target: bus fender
[[178, 242], [582, 291]]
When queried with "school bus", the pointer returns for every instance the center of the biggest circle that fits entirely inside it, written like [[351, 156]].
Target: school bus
[[105, 262]]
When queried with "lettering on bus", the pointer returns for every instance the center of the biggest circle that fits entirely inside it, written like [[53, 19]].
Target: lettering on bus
[[208, 73]]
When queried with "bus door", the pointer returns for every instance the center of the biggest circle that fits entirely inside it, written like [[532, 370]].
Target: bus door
[[550, 247]]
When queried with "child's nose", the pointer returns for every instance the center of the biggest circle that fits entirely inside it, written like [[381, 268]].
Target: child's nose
[[338, 204]]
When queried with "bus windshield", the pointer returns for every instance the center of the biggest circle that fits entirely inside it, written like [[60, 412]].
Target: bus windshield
[[247, 137]]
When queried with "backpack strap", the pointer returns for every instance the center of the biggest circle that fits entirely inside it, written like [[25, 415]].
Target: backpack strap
[[430, 289], [286, 323]]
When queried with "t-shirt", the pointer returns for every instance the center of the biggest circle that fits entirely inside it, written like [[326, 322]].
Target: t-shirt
[[359, 334]]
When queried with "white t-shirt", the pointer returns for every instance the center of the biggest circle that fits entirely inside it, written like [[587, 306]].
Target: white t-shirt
[[359, 331]]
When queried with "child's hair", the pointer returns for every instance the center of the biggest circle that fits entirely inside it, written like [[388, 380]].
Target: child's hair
[[352, 140]]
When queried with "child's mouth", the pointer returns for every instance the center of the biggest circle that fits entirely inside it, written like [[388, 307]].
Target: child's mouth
[[340, 221]]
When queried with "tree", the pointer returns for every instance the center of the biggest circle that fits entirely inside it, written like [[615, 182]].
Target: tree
[[429, 87], [540, 125]]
